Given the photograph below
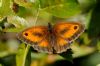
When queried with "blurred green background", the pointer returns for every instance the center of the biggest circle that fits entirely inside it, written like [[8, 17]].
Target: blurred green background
[[16, 15]]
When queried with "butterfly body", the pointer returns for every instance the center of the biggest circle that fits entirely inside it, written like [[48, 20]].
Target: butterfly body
[[52, 39]]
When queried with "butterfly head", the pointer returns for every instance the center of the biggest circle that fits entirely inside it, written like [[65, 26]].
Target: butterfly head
[[50, 27]]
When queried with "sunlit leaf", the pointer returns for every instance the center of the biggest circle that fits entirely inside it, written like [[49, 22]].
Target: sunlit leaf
[[98, 45], [17, 22], [79, 51], [61, 8], [22, 55], [85, 39], [5, 8], [24, 3]]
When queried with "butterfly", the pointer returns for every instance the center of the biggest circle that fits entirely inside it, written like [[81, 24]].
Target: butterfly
[[52, 39]]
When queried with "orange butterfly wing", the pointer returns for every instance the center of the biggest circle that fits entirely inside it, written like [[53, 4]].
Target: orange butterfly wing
[[38, 37], [65, 34]]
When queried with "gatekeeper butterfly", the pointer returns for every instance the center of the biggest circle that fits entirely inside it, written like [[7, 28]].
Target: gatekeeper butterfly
[[52, 39]]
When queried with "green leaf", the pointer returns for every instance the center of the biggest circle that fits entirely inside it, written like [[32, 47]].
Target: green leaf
[[88, 4], [80, 51], [94, 24], [22, 55], [67, 55], [2, 22], [17, 22], [98, 45], [0, 64], [61, 8], [12, 30], [24, 3], [5, 8]]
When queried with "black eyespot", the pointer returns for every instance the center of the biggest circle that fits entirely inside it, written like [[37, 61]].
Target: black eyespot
[[75, 27], [26, 34]]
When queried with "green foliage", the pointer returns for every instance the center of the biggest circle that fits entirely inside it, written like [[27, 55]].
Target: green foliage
[[5, 9], [23, 3], [22, 55], [61, 8], [16, 15], [67, 55], [95, 22]]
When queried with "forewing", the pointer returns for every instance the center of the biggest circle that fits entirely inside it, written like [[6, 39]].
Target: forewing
[[66, 33], [37, 38]]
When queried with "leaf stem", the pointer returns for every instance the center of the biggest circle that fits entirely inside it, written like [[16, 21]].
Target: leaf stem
[[26, 52], [37, 15]]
